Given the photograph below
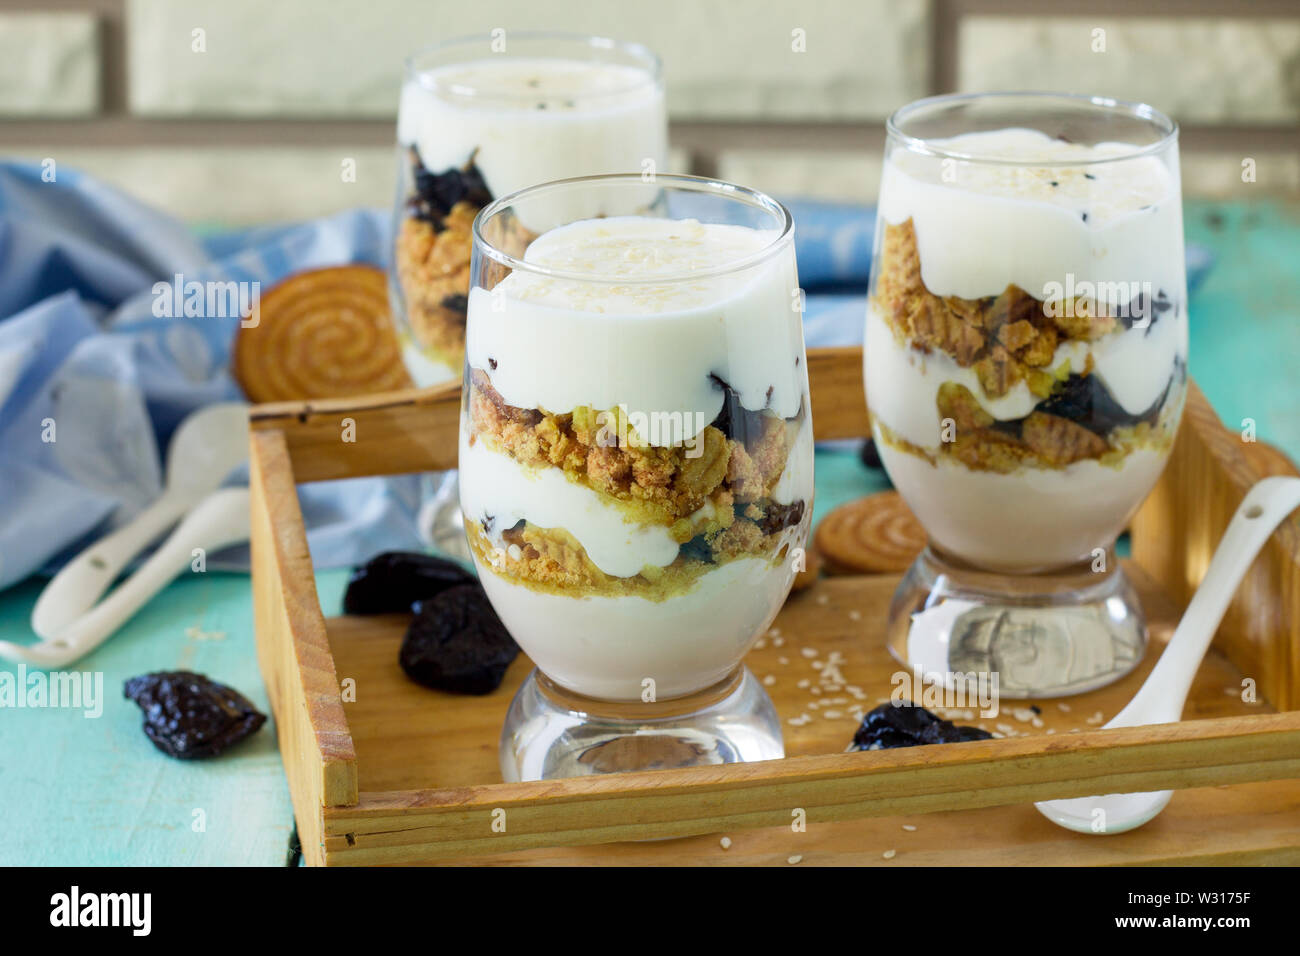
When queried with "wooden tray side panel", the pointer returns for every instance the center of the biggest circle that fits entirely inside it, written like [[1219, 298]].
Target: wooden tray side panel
[[1175, 533], [292, 648], [415, 826]]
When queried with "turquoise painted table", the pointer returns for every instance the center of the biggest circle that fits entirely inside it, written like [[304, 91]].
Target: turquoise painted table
[[89, 790]]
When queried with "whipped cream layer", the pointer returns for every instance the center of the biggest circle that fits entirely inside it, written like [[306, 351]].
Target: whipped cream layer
[[657, 348], [981, 227], [534, 120], [606, 646]]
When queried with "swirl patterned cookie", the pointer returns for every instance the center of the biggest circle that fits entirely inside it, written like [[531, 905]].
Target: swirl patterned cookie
[[326, 333], [877, 534]]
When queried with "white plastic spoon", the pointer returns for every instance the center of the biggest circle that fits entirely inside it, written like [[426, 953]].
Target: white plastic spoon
[[207, 445], [1160, 699], [218, 521]]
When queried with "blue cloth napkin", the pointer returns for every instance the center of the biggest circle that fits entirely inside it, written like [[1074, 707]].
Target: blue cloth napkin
[[93, 383]]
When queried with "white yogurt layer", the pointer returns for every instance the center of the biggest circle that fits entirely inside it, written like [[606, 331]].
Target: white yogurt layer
[[606, 646], [980, 228], [425, 371], [534, 121], [655, 348], [1033, 520]]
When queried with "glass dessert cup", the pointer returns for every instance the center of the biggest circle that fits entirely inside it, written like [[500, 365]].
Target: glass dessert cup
[[1025, 361], [480, 117], [636, 458]]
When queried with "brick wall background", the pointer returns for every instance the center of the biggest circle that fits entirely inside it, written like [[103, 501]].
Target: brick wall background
[[244, 110]]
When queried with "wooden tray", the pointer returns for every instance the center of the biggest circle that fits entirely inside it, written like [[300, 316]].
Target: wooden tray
[[402, 775]]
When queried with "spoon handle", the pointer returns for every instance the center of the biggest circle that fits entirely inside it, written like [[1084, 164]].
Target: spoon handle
[[1265, 506], [81, 582]]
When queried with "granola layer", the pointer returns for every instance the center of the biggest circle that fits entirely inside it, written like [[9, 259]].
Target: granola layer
[[432, 255], [1008, 340], [715, 495]]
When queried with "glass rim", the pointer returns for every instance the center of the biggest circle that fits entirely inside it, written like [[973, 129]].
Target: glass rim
[[1136, 109], [697, 184], [652, 62]]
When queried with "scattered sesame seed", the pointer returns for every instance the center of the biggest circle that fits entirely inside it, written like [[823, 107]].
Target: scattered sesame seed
[[769, 680], [804, 684], [808, 652], [783, 660], [1095, 719], [794, 859], [910, 828], [773, 632], [726, 843], [1064, 707], [823, 599], [889, 854], [778, 641], [855, 615], [760, 644], [833, 714]]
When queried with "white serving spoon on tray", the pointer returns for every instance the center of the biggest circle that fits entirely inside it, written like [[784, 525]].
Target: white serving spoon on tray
[[1160, 699]]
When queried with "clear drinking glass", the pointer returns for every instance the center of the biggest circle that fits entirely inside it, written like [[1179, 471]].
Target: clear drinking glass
[[1026, 363], [636, 458]]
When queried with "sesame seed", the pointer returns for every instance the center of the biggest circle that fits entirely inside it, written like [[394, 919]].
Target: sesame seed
[[769, 680], [808, 652], [725, 842], [889, 854], [910, 828], [855, 615], [794, 859]]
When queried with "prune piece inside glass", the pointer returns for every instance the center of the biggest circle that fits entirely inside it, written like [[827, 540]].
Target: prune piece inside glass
[[456, 643], [391, 582], [190, 716], [909, 725]]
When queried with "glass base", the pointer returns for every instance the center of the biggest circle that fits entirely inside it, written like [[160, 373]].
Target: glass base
[[1038, 635], [551, 732], [440, 523]]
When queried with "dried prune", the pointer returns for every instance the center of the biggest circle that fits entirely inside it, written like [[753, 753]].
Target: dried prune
[[1086, 400], [390, 583], [778, 517], [909, 725], [437, 192], [190, 716], [735, 420], [457, 643]]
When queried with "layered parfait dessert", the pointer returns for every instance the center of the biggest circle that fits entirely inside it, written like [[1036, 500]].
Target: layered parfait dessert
[[1026, 340], [636, 449], [487, 124]]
